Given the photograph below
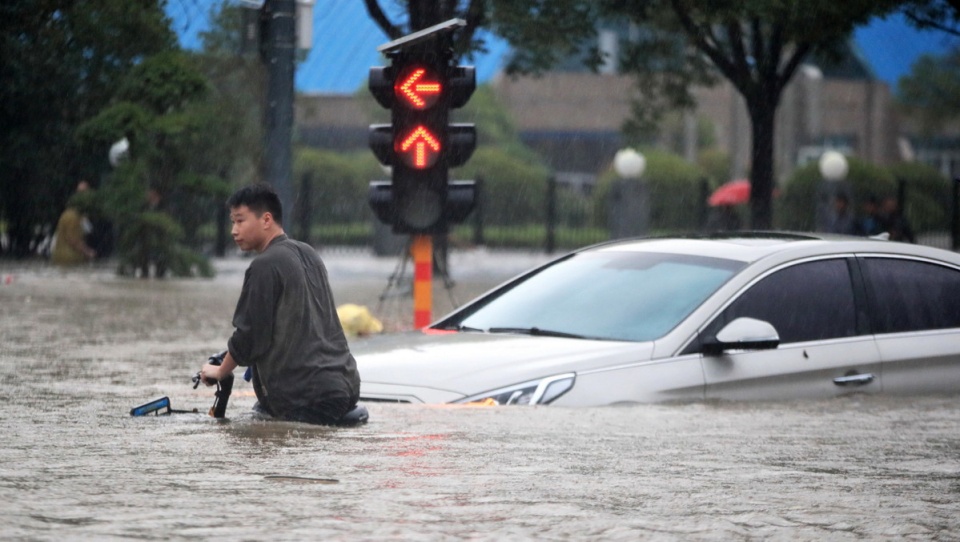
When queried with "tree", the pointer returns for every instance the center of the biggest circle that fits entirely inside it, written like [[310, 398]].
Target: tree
[[60, 62], [943, 15], [931, 90], [756, 45], [521, 23], [163, 108]]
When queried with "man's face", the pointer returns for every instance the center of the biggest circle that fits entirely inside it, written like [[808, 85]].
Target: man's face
[[249, 230]]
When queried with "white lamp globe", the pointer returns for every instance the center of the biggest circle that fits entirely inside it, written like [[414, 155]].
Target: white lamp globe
[[629, 163], [833, 166], [118, 152]]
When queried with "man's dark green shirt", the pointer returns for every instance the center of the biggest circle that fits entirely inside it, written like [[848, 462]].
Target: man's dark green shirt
[[287, 329]]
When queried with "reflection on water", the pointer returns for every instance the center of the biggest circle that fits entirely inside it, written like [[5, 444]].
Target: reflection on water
[[77, 353]]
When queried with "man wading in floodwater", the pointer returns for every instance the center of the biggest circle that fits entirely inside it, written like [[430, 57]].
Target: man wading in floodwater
[[286, 322]]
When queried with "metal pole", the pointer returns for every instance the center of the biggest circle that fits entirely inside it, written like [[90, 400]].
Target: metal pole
[[220, 247], [305, 207], [421, 247], [551, 214], [902, 196], [703, 207], [478, 214], [278, 122], [955, 204]]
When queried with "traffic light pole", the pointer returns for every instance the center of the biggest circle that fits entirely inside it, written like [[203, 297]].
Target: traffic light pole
[[421, 247], [279, 51], [420, 145]]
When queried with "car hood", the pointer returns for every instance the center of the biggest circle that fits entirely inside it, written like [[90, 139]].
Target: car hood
[[439, 368]]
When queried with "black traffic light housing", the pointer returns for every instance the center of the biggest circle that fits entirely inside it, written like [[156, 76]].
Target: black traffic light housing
[[420, 87]]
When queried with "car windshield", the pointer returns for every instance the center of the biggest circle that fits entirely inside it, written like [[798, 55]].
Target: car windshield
[[631, 296]]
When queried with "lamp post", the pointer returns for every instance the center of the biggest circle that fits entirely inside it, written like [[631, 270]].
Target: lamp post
[[833, 170], [629, 164], [630, 202], [118, 152]]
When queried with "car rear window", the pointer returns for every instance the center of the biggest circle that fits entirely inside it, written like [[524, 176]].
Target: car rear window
[[909, 295]]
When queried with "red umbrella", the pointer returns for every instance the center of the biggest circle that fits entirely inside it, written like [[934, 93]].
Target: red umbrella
[[731, 193]]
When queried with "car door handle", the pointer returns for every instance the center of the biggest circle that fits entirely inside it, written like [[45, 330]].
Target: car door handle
[[854, 380]]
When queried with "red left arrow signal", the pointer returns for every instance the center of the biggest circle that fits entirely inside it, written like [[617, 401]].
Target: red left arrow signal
[[418, 88], [419, 149]]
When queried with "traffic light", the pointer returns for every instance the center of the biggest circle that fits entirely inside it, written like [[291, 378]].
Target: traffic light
[[420, 87]]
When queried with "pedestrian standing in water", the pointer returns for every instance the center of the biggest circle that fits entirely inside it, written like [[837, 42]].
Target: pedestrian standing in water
[[70, 247], [286, 324]]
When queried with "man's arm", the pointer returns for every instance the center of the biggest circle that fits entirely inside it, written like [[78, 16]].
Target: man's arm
[[253, 320], [211, 374]]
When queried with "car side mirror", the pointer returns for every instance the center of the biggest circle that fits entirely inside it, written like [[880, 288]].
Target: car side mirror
[[742, 334]]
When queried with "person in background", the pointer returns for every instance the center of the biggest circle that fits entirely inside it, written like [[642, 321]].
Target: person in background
[[894, 222], [286, 324], [70, 247], [870, 223], [724, 218], [841, 219]]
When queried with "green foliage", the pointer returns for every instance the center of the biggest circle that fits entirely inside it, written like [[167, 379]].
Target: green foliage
[[345, 234], [173, 153], [163, 82], [338, 184], [927, 195], [62, 63], [544, 34], [931, 90], [513, 190], [796, 207], [756, 45], [674, 186], [716, 166], [493, 123]]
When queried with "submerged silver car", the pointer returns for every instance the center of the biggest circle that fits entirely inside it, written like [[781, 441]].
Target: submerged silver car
[[751, 317]]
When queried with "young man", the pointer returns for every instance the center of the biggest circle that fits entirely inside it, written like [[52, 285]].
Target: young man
[[286, 322]]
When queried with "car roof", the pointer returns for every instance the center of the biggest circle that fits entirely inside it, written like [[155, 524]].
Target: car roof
[[753, 246]]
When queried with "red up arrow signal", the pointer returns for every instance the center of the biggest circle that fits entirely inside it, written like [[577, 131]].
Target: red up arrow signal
[[419, 149], [416, 89]]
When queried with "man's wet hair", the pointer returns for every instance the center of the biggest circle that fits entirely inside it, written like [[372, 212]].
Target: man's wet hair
[[260, 198]]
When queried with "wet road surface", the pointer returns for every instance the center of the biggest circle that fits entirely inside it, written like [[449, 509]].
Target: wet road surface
[[79, 349]]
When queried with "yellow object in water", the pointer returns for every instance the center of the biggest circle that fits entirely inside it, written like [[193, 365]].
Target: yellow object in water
[[357, 320]]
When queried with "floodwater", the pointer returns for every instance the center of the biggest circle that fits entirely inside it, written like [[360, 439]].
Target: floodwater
[[79, 349]]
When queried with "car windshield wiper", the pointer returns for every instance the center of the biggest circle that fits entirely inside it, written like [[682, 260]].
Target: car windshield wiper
[[463, 328], [536, 332]]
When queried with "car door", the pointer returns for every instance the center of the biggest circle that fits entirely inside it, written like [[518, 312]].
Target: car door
[[915, 311], [825, 347]]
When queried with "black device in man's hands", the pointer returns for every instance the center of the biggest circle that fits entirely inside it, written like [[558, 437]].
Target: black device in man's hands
[[224, 387], [161, 406]]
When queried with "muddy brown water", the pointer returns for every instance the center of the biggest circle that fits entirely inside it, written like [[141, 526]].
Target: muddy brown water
[[79, 349]]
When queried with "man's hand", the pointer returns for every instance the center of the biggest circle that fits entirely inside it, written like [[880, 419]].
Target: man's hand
[[211, 374]]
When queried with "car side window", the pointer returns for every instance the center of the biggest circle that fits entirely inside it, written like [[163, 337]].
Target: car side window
[[908, 295], [805, 302]]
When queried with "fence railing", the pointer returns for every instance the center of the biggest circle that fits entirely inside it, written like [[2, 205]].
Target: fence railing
[[569, 222]]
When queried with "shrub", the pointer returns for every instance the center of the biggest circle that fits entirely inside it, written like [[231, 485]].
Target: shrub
[[514, 190], [927, 195], [796, 208], [675, 192], [332, 187]]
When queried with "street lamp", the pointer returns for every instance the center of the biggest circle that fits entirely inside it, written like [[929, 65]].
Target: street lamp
[[629, 164], [118, 152], [833, 167], [630, 201]]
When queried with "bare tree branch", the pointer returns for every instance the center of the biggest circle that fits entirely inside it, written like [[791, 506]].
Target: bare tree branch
[[376, 13]]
